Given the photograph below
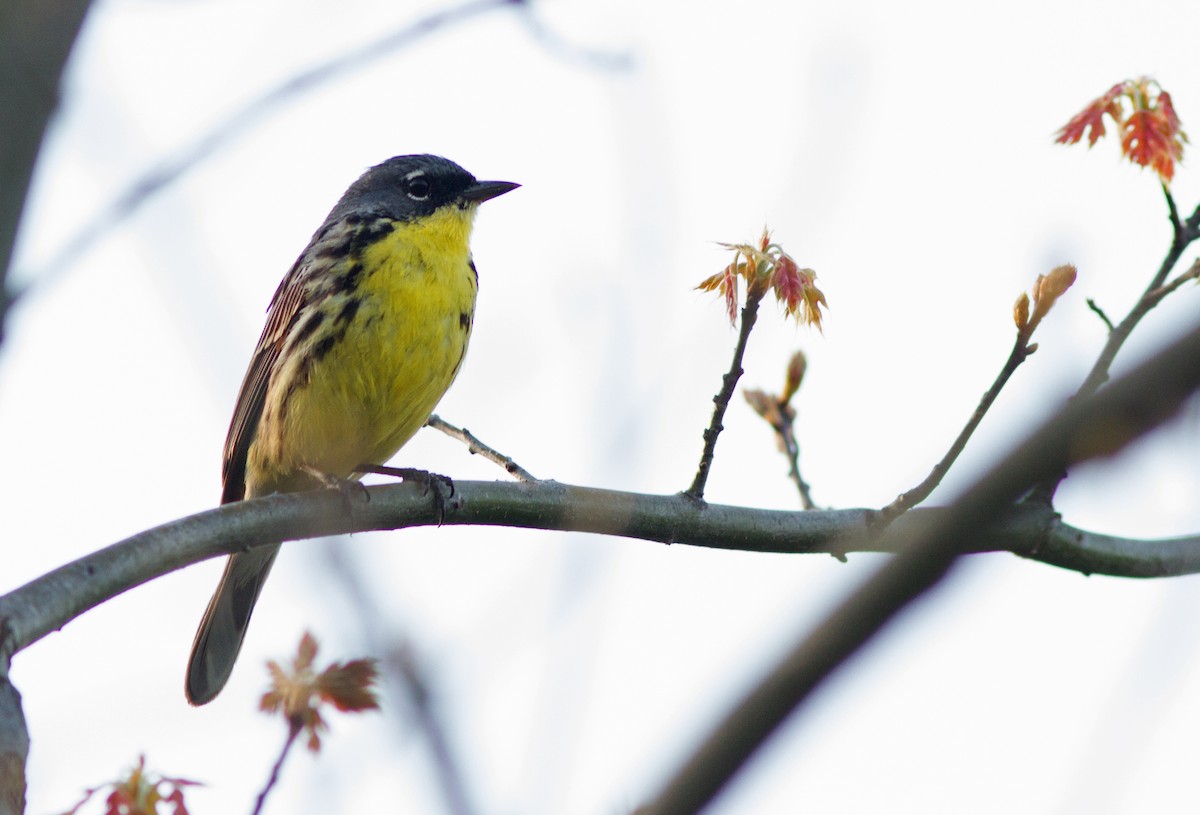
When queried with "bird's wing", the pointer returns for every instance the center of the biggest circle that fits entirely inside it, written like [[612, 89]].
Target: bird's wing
[[281, 315], [327, 264]]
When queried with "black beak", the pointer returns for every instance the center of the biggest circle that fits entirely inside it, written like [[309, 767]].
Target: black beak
[[482, 191]]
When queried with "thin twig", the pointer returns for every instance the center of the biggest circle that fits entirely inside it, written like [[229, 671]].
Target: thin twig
[[1177, 228], [1094, 306], [791, 449], [171, 169], [781, 416], [1191, 274], [907, 500], [476, 447], [1149, 299], [721, 400], [1084, 429], [294, 728]]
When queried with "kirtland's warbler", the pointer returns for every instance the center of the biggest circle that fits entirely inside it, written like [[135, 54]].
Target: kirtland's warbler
[[363, 336]]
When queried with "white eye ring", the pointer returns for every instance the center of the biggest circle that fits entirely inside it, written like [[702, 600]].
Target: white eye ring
[[416, 186]]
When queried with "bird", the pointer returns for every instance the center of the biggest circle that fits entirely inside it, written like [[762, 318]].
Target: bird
[[364, 335]]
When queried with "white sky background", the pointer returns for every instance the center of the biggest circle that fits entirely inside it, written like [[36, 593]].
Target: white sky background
[[904, 151]]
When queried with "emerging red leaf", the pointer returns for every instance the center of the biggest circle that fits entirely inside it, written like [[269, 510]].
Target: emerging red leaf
[[1146, 144], [1092, 118], [348, 686], [307, 651], [141, 793], [726, 281], [299, 691], [766, 266], [788, 283], [1151, 135]]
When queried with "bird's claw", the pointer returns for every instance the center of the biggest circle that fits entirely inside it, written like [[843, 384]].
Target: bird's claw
[[433, 482]]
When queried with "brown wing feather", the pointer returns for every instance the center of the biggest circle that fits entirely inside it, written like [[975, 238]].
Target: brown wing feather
[[309, 279], [281, 314]]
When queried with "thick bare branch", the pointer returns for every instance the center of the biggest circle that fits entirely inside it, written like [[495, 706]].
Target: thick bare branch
[[926, 542], [54, 599], [14, 748]]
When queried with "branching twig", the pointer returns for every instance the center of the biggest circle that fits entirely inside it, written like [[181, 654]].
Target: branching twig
[[1149, 299], [1085, 429], [721, 400], [1095, 307], [475, 446], [1183, 235], [1192, 273]]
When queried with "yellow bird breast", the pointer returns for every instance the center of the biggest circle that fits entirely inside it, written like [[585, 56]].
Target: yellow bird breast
[[399, 341]]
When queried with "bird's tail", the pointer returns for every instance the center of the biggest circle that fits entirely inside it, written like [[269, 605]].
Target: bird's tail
[[223, 628]]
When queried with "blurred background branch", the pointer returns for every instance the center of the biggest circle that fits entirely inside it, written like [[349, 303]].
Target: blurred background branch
[[35, 39]]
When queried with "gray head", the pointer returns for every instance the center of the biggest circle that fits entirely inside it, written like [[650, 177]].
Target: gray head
[[408, 187]]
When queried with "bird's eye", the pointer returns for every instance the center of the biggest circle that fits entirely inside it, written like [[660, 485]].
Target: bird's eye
[[418, 187]]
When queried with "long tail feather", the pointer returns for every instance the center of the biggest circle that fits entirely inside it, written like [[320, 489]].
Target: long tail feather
[[221, 632]]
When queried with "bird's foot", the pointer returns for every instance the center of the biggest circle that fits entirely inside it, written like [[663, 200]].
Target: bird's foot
[[347, 487], [441, 486]]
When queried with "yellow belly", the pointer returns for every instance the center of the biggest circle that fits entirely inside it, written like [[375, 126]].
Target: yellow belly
[[373, 388]]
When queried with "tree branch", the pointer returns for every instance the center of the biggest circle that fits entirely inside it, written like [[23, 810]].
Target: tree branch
[[14, 747], [1177, 227], [1099, 312], [48, 602], [1182, 235], [172, 168], [1084, 429], [1150, 298], [777, 411], [926, 543], [276, 768], [35, 39], [729, 381], [909, 499], [475, 446], [785, 433], [1191, 274]]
